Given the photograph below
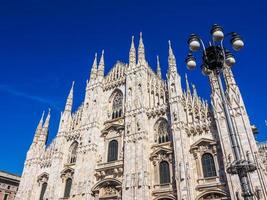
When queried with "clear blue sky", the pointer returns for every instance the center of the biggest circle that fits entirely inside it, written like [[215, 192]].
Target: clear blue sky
[[44, 45]]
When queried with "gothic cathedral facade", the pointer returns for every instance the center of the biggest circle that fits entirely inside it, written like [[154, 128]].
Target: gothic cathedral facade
[[139, 137]]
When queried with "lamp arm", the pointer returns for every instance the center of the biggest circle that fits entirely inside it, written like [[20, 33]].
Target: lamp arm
[[203, 45], [221, 43]]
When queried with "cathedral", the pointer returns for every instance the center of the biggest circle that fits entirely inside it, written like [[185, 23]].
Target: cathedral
[[137, 136]]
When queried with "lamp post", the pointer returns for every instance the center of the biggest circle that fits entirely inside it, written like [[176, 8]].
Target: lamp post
[[214, 59]]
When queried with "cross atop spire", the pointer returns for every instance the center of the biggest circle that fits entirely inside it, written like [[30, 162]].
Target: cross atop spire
[[158, 67], [132, 53], [69, 102], [141, 49], [101, 65]]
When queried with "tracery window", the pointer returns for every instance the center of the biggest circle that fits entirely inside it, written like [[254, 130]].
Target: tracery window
[[117, 105], [73, 152], [164, 170], [163, 132], [68, 188], [208, 165], [44, 186], [113, 150]]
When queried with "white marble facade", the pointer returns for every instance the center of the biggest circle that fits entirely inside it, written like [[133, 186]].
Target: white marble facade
[[139, 137]]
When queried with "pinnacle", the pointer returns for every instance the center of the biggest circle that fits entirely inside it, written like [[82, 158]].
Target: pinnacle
[[170, 48], [47, 119], [95, 60], [169, 42], [42, 117], [158, 67], [187, 83], [132, 43]]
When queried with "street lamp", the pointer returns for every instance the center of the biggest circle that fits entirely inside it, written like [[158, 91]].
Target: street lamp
[[214, 59]]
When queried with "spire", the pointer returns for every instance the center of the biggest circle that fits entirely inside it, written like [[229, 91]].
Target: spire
[[47, 120], [171, 59], [194, 90], [68, 106], [187, 84], [94, 68], [158, 67], [40, 124], [132, 53], [38, 129], [44, 134], [174, 79], [101, 65], [141, 49]]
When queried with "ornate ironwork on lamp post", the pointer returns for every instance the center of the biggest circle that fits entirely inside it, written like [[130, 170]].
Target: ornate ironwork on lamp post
[[214, 59]]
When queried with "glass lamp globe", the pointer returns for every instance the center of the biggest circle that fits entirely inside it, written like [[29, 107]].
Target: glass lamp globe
[[237, 42], [191, 62], [229, 58], [194, 43], [230, 61], [217, 33]]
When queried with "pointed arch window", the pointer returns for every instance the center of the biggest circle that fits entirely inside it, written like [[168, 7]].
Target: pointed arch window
[[68, 188], [208, 165], [113, 150], [43, 189], [73, 152], [163, 132], [117, 105], [164, 170]]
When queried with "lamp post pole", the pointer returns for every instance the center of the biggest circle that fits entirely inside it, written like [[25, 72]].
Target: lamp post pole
[[239, 166], [215, 58]]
